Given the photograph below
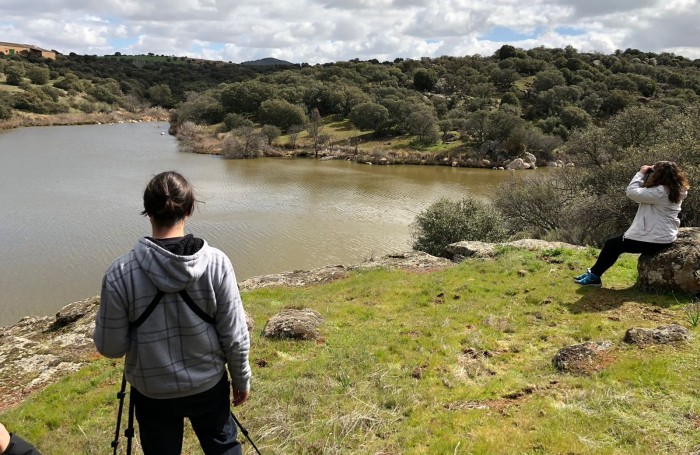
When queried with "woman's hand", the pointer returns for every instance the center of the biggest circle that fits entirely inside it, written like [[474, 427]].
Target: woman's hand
[[645, 169], [239, 397], [4, 439]]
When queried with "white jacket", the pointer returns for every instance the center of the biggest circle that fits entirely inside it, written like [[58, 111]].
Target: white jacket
[[656, 220]]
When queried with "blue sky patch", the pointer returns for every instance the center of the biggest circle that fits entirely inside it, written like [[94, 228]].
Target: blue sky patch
[[569, 31], [505, 34], [122, 43]]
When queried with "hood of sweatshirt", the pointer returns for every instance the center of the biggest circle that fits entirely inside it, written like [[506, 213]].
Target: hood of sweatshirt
[[168, 271]]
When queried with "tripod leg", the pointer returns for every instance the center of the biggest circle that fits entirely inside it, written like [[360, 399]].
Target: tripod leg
[[129, 432], [120, 396]]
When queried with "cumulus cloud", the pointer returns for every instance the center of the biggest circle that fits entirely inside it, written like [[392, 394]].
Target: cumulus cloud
[[318, 31]]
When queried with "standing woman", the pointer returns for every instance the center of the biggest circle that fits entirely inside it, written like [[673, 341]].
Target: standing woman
[[176, 355], [659, 190]]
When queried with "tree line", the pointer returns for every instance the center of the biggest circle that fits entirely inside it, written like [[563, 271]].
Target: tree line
[[500, 105]]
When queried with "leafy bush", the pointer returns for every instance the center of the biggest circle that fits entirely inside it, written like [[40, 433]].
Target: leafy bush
[[446, 222], [369, 116], [424, 79], [5, 111], [281, 113], [14, 75], [233, 121], [39, 75]]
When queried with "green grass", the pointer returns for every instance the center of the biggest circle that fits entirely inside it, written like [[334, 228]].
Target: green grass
[[450, 362], [342, 132]]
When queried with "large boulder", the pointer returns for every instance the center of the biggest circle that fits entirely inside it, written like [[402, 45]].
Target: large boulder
[[583, 358], [292, 323], [673, 333], [518, 164], [529, 158], [674, 269]]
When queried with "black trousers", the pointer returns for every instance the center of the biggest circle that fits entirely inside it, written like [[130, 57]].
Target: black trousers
[[161, 422], [615, 246]]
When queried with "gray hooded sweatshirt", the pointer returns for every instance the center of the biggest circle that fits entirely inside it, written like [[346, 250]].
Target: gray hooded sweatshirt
[[174, 353]]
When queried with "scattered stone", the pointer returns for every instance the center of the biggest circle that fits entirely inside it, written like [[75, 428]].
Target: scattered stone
[[673, 269], [417, 372], [582, 358], [673, 333], [294, 324]]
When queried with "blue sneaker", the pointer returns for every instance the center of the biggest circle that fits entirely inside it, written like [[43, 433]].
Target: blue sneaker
[[590, 279], [580, 277]]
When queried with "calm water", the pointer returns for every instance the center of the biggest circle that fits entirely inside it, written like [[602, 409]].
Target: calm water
[[70, 199]]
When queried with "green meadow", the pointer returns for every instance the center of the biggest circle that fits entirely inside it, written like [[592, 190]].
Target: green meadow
[[453, 361]]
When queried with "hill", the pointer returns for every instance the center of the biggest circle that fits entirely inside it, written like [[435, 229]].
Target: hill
[[420, 359], [268, 61]]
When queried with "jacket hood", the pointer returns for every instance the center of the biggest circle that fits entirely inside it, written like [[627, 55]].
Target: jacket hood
[[170, 272]]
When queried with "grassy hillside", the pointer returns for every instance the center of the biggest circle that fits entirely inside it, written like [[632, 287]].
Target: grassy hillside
[[455, 361]]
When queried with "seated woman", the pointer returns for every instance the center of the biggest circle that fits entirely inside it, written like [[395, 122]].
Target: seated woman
[[659, 190]]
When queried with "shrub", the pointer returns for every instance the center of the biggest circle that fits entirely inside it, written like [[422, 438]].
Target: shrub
[[5, 111], [14, 75], [446, 222], [38, 75], [233, 121], [245, 142], [281, 113], [424, 79]]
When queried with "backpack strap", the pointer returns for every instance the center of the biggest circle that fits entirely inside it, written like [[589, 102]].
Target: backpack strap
[[196, 309], [147, 312], [156, 300]]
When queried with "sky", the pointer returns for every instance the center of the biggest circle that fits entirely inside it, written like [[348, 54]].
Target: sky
[[320, 31]]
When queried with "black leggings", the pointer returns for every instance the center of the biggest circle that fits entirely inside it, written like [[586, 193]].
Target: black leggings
[[615, 246]]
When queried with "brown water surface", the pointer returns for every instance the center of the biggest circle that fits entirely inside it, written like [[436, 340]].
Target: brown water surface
[[70, 199]]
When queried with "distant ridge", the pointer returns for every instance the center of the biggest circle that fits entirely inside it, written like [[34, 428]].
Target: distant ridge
[[268, 61]]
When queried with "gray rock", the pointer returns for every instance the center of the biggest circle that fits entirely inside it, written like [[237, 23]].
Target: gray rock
[[582, 358], [673, 333], [517, 164], [529, 158], [674, 269], [294, 324], [471, 249]]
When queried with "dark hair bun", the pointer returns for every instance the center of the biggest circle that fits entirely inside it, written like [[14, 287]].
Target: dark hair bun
[[168, 198]]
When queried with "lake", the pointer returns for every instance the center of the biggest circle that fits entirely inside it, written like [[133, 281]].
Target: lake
[[70, 199]]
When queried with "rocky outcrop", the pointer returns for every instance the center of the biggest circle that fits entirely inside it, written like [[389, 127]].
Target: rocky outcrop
[[474, 249], [674, 269], [296, 278], [36, 352], [673, 333], [294, 324], [411, 260], [583, 358]]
